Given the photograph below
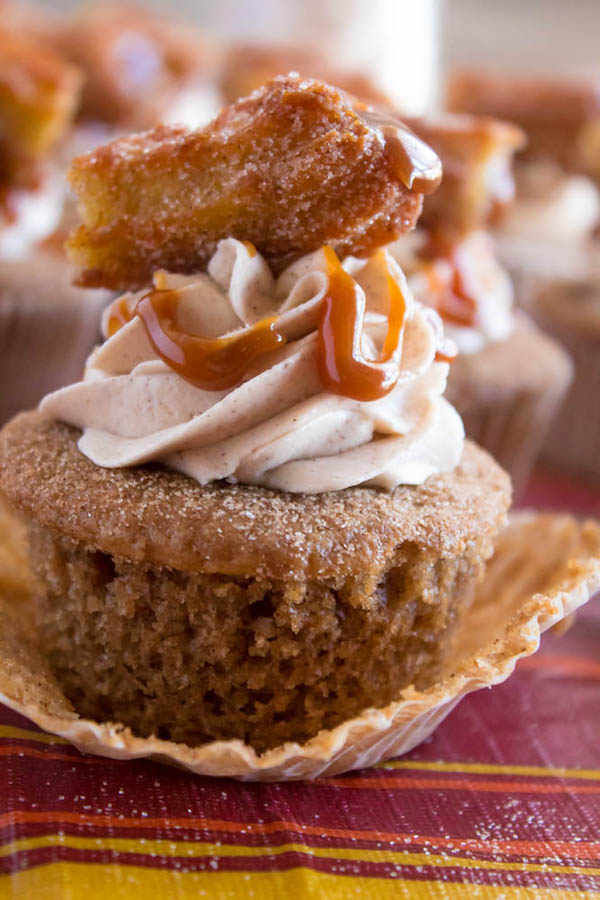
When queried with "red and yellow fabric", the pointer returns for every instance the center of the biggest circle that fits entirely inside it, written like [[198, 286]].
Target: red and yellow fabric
[[502, 802]]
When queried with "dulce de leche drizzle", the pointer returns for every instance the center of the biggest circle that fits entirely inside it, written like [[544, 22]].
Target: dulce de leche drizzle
[[454, 301], [217, 364], [213, 364], [342, 367], [418, 166]]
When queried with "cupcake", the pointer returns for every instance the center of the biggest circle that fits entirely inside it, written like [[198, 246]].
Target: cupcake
[[246, 67], [569, 309], [47, 327], [256, 515], [508, 378], [140, 68], [549, 232]]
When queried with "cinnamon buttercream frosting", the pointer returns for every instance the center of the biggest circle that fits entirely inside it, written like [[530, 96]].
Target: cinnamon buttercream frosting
[[278, 427], [486, 283]]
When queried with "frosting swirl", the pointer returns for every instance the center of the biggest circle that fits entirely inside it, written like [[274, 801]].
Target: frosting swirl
[[468, 287], [278, 426]]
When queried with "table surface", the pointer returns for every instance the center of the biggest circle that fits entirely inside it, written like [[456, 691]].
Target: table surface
[[502, 802]]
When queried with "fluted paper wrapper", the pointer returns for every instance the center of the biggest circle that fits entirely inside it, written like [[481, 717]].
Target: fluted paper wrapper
[[47, 330], [508, 395], [544, 568], [573, 442]]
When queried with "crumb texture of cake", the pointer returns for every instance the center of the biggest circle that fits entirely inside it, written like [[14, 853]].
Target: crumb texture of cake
[[292, 168], [195, 657]]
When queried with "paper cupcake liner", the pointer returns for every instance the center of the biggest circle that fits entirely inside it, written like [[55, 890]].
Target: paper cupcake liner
[[508, 395], [573, 441], [514, 431], [45, 338], [544, 568]]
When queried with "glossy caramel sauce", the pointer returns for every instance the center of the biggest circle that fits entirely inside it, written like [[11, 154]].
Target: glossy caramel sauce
[[218, 364], [120, 314], [417, 166], [342, 367], [212, 364], [453, 301]]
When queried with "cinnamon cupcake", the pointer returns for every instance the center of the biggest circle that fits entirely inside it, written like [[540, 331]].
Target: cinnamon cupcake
[[550, 230], [47, 327], [509, 378], [256, 515]]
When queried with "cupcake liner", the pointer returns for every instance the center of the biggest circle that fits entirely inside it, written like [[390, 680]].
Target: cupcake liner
[[573, 441], [508, 395], [47, 329], [544, 568]]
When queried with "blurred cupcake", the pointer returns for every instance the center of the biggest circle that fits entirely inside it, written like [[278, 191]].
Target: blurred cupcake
[[569, 309], [550, 230], [508, 378], [47, 327], [247, 67], [265, 518], [140, 68]]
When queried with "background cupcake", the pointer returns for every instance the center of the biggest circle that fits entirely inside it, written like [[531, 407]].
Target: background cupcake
[[569, 309], [549, 232], [508, 378], [47, 327]]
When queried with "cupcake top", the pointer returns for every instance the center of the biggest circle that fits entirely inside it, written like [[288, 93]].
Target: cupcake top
[[326, 377], [318, 377], [464, 282], [558, 171]]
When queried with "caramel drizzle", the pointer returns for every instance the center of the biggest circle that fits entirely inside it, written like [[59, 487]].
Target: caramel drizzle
[[342, 367], [217, 364], [212, 364], [454, 302], [418, 166]]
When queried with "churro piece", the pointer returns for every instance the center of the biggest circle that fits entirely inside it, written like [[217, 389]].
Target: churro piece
[[291, 168], [553, 113], [247, 67], [478, 184], [134, 61]]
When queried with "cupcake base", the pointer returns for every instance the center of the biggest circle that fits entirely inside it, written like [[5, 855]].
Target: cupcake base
[[544, 568], [47, 329], [508, 394], [202, 612], [193, 657]]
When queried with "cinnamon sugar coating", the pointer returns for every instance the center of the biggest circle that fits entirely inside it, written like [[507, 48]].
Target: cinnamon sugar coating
[[291, 168], [555, 114], [471, 195], [154, 517], [247, 67]]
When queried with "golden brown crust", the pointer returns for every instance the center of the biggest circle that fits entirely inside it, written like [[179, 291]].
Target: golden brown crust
[[290, 169], [468, 198], [150, 515], [247, 67], [552, 112], [133, 59]]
